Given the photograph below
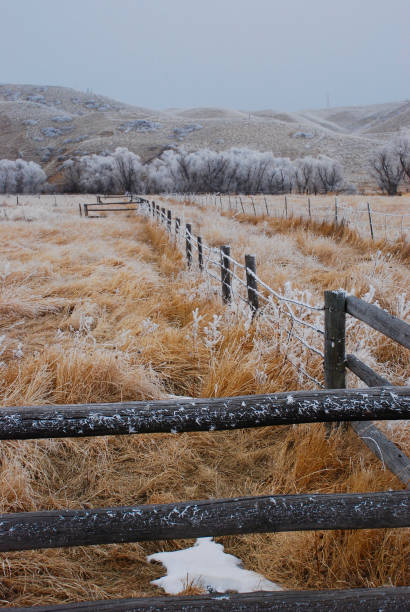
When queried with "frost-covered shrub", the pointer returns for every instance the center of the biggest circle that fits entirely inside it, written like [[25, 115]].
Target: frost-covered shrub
[[303, 135], [62, 119], [46, 154], [36, 98], [53, 132], [20, 176], [181, 132], [139, 125]]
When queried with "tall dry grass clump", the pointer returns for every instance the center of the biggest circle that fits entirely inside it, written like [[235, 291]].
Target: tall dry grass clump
[[106, 311]]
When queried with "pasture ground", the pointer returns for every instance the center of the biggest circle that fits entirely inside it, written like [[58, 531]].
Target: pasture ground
[[103, 310]]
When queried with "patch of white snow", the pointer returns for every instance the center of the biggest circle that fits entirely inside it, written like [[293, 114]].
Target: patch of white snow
[[207, 566]]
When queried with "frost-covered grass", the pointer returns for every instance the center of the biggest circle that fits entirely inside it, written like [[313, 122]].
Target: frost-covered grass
[[104, 311]]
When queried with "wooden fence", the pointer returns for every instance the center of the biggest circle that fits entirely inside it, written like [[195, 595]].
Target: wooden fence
[[272, 513], [128, 203], [337, 304]]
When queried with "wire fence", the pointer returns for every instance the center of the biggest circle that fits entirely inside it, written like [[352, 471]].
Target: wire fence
[[298, 324], [364, 218]]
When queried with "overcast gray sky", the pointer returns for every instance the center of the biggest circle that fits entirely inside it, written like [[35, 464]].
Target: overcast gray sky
[[244, 54]]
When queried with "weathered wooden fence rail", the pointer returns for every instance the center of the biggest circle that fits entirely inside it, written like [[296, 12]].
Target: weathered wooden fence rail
[[388, 599], [201, 518], [184, 415], [103, 206]]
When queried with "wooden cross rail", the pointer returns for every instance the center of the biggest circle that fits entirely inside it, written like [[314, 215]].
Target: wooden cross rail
[[337, 304], [379, 319], [202, 518], [227, 413], [106, 209], [388, 599]]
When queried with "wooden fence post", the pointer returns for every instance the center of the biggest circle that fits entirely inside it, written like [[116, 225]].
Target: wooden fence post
[[163, 215], [158, 211], [253, 299], [266, 205], [188, 245], [286, 207], [177, 224], [370, 220], [334, 361], [243, 210], [335, 332], [200, 256], [309, 209], [153, 208], [86, 210], [226, 276], [81, 212], [169, 220]]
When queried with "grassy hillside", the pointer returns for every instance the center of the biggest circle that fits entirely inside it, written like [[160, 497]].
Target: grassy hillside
[[51, 124]]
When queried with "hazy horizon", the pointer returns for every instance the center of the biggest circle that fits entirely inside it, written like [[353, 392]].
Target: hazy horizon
[[182, 54]]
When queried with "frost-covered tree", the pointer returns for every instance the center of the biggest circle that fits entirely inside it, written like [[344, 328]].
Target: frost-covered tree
[[20, 176], [237, 170], [387, 169]]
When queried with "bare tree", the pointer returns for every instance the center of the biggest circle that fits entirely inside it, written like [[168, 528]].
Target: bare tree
[[387, 169], [402, 148]]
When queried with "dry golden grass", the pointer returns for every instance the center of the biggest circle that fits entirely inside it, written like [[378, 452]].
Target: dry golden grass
[[103, 311]]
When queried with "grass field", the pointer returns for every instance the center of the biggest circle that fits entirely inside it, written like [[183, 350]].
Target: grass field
[[105, 310]]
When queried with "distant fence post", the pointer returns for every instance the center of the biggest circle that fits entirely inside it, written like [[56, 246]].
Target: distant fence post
[[309, 209], [226, 276], [335, 334], [163, 215], [177, 224], [286, 207], [158, 211], [266, 205], [188, 245], [169, 220], [251, 282], [200, 256], [243, 210], [86, 210], [153, 208], [253, 204], [370, 220], [81, 212]]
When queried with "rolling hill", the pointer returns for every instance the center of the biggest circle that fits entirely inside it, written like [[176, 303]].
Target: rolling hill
[[52, 124]]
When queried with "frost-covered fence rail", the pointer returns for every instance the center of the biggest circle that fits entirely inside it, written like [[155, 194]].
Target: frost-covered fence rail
[[337, 305], [202, 518], [184, 415], [102, 206], [388, 599]]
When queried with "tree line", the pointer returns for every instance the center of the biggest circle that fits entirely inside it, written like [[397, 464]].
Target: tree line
[[237, 170]]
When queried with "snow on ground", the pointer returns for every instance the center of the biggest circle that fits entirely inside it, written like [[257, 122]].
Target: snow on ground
[[207, 566]]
